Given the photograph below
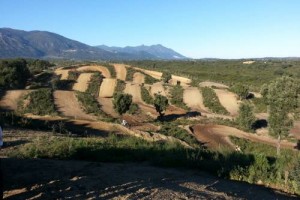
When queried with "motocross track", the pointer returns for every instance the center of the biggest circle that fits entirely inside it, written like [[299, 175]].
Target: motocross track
[[157, 88], [135, 91], [192, 97], [154, 74], [104, 71], [107, 106], [64, 73], [67, 104], [215, 136], [228, 100], [213, 84], [107, 87], [121, 71], [10, 100], [183, 81], [82, 82], [138, 78]]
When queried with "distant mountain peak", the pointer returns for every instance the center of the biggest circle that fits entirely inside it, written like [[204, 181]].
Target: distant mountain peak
[[44, 44]]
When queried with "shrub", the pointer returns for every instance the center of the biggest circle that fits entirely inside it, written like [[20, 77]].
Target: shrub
[[146, 95], [111, 69], [122, 102], [133, 109], [120, 86], [89, 103], [94, 84], [246, 117], [177, 97], [211, 101]]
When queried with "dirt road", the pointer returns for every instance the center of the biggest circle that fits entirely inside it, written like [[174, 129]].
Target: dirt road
[[66, 103]]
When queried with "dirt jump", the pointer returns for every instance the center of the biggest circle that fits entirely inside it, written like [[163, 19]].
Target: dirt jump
[[82, 82], [154, 74], [182, 80], [215, 136], [63, 73], [107, 106], [213, 84], [138, 78], [121, 71], [135, 91], [67, 104], [228, 100], [10, 100], [107, 87], [104, 71], [158, 88], [192, 97]]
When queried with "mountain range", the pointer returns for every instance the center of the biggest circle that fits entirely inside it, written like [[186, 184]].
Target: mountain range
[[43, 44]]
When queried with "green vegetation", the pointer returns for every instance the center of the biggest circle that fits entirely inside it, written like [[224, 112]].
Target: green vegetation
[[130, 73], [146, 96], [89, 103], [73, 75], [14, 74], [246, 117], [166, 76], [212, 102], [37, 66], [120, 86], [160, 103], [179, 133], [282, 96], [38, 102], [241, 90], [177, 97], [111, 69], [149, 79], [133, 109], [94, 84], [260, 105], [122, 102]]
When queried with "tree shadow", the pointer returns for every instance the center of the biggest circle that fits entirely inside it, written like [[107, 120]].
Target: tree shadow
[[173, 117], [261, 123], [7, 144]]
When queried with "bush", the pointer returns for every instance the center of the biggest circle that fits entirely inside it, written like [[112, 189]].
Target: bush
[[94, 84], [246, 117], [241, 90], [122, 102], [120, 86], [147, 98], [166, 76], [133, 109], [89, 103], [111, 69], [177, 97]]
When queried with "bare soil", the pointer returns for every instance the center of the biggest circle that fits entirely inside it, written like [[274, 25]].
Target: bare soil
[[82, 82], [107, 87], [104, 71], [228, 100], [134, 90], [192, 97], [182, 80], [64, 73], [138, 78], [158, 88], [107, 106], [10, 100], [67, 104], [121, 71], [55, 179], [213, 84]]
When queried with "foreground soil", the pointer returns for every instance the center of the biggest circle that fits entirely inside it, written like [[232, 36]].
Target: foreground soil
[[54, 179]]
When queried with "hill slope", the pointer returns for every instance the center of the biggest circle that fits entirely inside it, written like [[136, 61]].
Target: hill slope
[[43, 44]]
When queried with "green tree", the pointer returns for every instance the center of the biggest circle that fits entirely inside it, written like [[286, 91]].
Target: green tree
[[282, 97], [122, 102], [241, 90], [160, 103], [246, 117], [166, 76]]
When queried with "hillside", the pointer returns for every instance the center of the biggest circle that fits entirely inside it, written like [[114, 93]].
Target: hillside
[[43, 44]]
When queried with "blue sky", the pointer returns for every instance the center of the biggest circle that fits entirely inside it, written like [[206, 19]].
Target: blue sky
[[194, 28]]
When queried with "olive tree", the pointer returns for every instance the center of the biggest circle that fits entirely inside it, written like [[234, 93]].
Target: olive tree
[[160, 103], [122, 102]]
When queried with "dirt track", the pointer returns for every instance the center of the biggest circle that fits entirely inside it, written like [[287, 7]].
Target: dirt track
[[228, 100], [82, 82], [105, 72], [217, 135], [121, 71], [107, 87], [211, 84], [64, 73], [138, 78], [107, 106], [154, 74], [183, 81], [66, 103], [55, 179], [193, 99], [10, 100], [157, 88], [135, 91]]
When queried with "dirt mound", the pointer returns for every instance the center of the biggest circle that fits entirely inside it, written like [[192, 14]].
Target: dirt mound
[[107, 87], [183, 81], [82, 82], [66, 103], [211, 84], [105, 72], [228, 100], [135, 91], [193, 99], [121, 71], [41, 179], [158, 88], [107, 106], [64, 73], [215, 136], [154, 74], [138, 78], [10, 100]]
